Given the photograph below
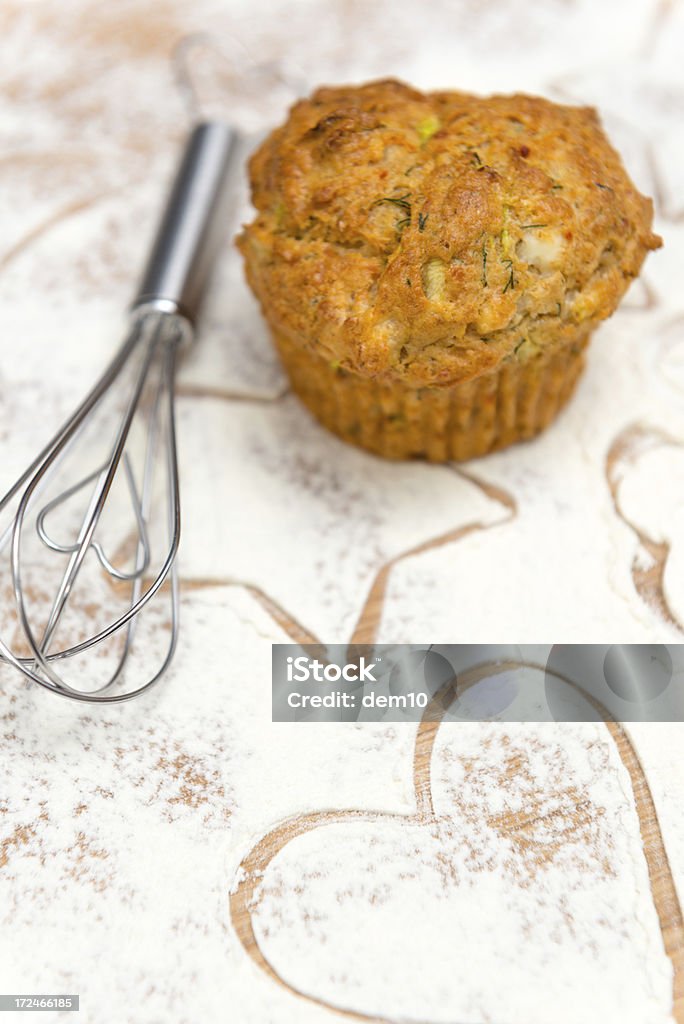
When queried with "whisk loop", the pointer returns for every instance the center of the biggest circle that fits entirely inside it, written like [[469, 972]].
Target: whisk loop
[[105, 562], [162, 322]]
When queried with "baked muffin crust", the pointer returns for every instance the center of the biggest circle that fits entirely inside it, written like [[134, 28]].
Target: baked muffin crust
[[427, 238]]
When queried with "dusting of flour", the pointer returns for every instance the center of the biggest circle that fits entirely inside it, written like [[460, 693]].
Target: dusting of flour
[[531, 869], [525, 898]]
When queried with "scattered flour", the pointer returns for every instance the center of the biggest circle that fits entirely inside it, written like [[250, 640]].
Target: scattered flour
[[439, 920], [122, 830]]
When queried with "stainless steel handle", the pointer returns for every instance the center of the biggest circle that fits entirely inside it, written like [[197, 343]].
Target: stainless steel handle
[[193, 225]]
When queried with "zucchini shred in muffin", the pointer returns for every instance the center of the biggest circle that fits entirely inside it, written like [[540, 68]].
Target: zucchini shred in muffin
[[431, 265]]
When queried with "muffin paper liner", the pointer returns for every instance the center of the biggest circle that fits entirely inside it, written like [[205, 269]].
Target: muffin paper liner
[[512, 403]]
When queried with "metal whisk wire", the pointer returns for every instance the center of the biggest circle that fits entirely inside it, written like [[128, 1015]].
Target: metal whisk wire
[[162, 323], [161, 333]]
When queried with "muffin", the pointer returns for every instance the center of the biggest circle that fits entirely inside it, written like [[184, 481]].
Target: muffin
[[432, 265]]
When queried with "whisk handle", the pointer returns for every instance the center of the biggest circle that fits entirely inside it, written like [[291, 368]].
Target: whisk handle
[[192, 226]]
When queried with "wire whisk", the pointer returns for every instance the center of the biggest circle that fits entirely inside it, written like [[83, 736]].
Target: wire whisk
[[125, 430]]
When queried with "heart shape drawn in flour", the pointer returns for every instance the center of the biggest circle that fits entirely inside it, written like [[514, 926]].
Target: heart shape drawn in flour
[[517, 848]]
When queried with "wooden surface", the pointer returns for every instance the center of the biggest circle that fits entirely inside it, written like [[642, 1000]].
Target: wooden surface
[[93, 105], [255, 864]]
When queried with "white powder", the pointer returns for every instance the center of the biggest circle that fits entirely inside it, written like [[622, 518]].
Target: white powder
[[123, 828], [122, 831], [561, 569], [442, 920]]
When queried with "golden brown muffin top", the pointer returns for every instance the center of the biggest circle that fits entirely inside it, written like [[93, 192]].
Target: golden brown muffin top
[[427, 237]]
